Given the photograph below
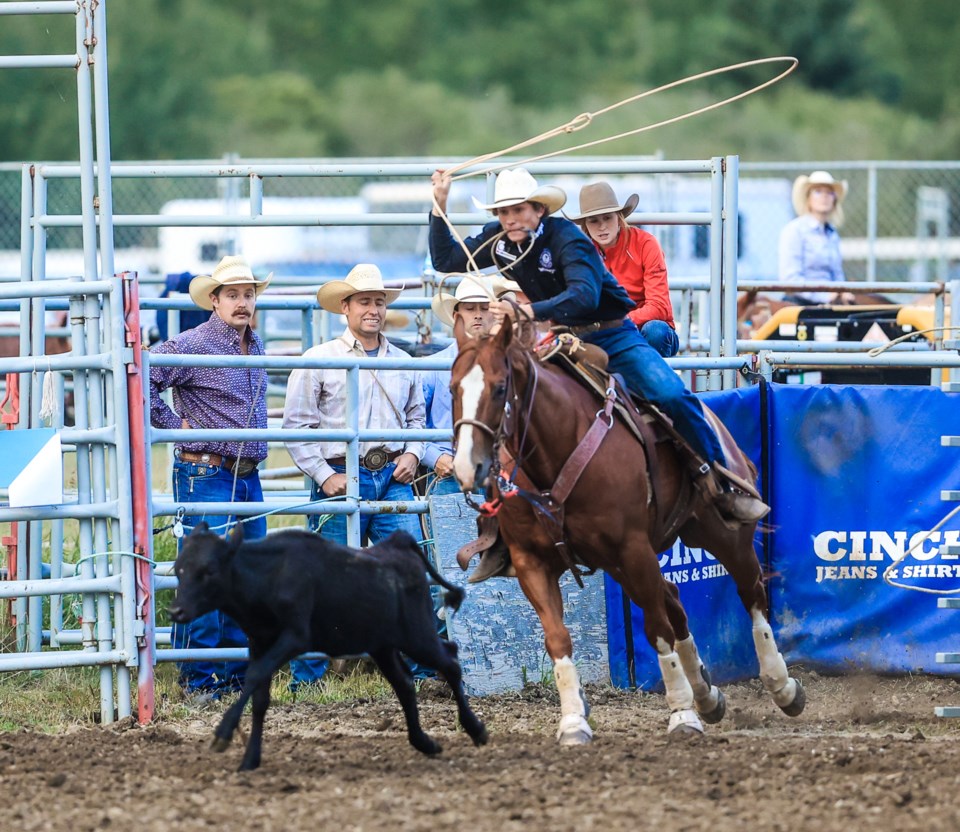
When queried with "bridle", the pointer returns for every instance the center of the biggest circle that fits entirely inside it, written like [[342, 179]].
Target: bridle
[[505, 431], [548, 505]]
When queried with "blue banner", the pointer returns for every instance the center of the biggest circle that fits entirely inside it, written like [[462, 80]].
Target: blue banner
[[856, 479], [854, 476]]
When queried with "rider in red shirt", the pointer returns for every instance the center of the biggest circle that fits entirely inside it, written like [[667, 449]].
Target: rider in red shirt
[[635, 259]]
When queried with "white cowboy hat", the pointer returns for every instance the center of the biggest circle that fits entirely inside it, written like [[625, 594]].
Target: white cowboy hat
[[599, 198], [231, 270], [516, 185], [364, 277], [802, 186], [471, 289]]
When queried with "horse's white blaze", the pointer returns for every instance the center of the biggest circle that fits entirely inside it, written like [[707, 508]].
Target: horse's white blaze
[[471, 388], [773, 669]]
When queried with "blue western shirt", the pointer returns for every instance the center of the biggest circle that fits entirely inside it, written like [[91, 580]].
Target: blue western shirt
[[439, 404], [810, 251]]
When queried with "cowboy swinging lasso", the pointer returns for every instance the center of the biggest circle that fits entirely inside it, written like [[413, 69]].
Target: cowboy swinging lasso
[[592, 494]]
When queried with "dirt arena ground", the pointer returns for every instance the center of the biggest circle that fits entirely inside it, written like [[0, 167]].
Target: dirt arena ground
[[867, 753]]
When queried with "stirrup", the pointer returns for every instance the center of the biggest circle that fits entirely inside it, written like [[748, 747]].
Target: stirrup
[[741, 507], [738, 482], [494, 563]]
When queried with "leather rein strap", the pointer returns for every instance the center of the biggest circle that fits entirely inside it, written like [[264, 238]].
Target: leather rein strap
[[584, 452]]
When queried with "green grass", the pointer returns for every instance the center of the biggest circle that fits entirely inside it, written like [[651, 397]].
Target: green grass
[[55, 701]]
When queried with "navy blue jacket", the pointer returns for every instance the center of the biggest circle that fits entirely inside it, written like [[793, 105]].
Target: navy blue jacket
[[563, 275]]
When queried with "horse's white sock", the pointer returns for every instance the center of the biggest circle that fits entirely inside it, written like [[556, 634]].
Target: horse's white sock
[[679, 692], [573, 728], [773, 669], [568, 685], [705, 695]]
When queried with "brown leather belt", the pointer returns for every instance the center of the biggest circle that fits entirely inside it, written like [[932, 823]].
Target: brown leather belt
[[242, 467], [372, 460], [584, 329]]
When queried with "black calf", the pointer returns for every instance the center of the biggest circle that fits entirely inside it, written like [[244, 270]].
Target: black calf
[[294, 592]]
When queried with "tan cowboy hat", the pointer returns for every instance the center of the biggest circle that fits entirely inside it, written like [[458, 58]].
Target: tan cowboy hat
[[364, 277], [471, 289], [802, 186], [516, 185], [231, 270], [599, 198]]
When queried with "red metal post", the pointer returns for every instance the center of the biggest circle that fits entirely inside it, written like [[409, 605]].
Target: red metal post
[[142, 533]]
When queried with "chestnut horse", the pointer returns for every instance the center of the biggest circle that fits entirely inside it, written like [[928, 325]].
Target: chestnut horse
[[506, 401]]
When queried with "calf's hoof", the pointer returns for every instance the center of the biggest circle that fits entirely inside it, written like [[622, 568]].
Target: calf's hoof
[[480, 737], [715, 714], [574, 730], [427, 745], [220, 744], [795, 708]]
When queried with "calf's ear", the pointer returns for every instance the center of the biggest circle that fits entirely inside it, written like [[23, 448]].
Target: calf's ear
[[202, 526]]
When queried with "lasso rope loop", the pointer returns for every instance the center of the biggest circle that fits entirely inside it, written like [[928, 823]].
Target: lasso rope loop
[[873, 353], [589, 117], [585, 119]]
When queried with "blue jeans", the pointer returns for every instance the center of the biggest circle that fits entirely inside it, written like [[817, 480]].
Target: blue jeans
[[662, 337], [198, 483], [646, 373], [374, 485], [437, 486]]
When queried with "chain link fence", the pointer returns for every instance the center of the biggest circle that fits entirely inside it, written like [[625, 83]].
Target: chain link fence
[[902, 219]]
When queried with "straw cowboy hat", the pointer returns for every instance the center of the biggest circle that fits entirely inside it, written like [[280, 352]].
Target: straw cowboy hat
[[470, 290], [364, 277], [516, 185], [599, 198], [230, 271], [802, 186]]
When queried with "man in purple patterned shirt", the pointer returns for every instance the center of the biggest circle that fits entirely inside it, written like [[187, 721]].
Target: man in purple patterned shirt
[[215, 471]]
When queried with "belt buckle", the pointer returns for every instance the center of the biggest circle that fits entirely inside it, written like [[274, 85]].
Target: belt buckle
[[375, 459]]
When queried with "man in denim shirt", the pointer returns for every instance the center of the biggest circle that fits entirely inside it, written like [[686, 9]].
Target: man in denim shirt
[[218, 471]]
